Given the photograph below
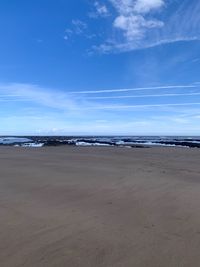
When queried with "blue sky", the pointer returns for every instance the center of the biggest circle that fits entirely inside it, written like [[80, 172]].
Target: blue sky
[[83, 67]]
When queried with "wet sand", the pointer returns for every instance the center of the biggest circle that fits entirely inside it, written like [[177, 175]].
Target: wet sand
[[92, 207]]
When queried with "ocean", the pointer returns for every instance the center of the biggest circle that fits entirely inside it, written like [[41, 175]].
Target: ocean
[[120, 141]]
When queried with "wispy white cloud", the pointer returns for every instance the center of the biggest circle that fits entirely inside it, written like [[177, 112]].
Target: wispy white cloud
[[131, 18], [137, 6], [132, 21], [68, 34], [56, 112], [140, 24], [113, 46], [100, 10], [39, 95], [71, 103], [135, 26], [145, 6], [77, 27]]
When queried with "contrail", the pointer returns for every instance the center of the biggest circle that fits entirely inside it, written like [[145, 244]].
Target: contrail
[[142, 106], [141, 96], [14, 100], [10, 95], [135, 89]]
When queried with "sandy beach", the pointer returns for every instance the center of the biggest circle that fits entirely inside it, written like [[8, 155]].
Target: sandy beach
[[98, 206]]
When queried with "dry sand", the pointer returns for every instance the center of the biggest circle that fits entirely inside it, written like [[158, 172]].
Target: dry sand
[[92, 207]]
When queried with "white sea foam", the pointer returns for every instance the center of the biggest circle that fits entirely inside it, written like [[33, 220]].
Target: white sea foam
[[91, 144], [32, 145]]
